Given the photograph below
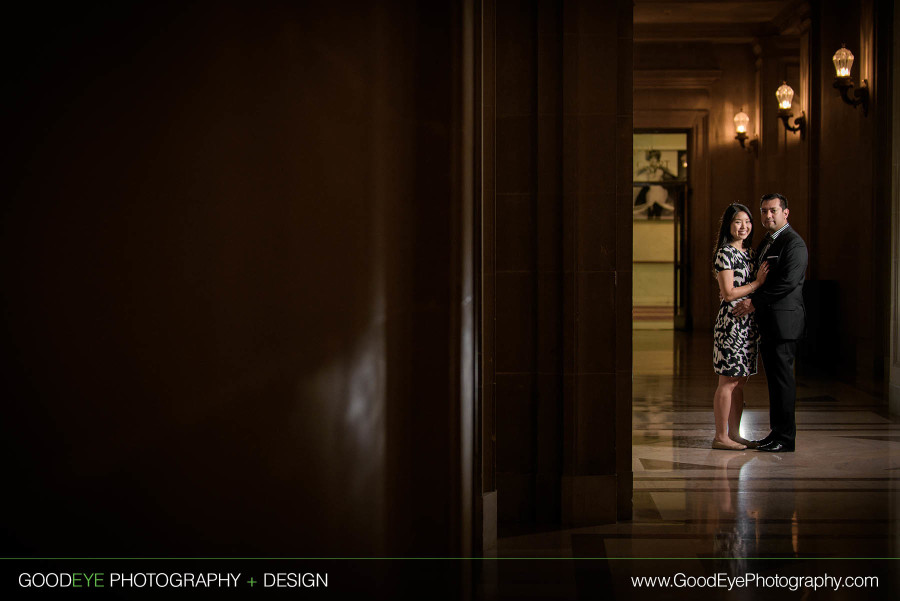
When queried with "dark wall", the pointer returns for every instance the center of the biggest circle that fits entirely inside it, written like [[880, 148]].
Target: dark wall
[[233, 317], [732, 168], [784, 156], [516, 259], [560, 272], [852, 206]]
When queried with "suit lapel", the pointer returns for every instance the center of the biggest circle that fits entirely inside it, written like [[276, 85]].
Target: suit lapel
[[776, 246]]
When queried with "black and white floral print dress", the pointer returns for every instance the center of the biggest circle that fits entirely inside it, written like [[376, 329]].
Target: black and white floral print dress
[[735, 339]]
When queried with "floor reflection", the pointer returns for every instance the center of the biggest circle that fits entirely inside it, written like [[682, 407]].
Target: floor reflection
[[734, 522]]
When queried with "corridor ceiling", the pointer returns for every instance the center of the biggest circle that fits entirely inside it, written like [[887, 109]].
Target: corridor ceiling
[[715, 21]]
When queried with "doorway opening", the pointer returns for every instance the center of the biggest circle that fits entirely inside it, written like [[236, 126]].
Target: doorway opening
[[660, 202]]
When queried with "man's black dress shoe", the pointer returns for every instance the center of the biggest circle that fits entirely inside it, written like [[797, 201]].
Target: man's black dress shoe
[[775, 446], [762, 442]]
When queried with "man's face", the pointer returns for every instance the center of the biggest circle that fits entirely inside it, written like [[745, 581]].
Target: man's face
[[772, 215]]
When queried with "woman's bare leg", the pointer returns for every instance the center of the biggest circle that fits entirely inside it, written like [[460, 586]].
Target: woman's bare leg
[[722, 409], [737, 409]]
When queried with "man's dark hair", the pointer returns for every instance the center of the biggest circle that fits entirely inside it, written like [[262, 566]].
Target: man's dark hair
[[772, 196], [653, 153]]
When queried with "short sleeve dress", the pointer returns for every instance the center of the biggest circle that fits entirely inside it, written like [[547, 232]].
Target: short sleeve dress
[[735, 339]]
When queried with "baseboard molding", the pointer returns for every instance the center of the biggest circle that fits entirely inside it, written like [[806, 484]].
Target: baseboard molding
[[489, 524], [894, 400], [589, 500]]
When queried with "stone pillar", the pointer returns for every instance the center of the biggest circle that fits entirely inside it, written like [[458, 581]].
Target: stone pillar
[[596, 238]]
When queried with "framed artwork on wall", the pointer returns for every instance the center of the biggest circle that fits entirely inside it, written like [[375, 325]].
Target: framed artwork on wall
[[659, 175]]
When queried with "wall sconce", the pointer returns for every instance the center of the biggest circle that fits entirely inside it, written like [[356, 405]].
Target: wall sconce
[[740, 126], [843, 60], [785, 96]]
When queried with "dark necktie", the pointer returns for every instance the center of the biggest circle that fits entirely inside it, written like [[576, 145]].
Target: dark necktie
[[765, 248]]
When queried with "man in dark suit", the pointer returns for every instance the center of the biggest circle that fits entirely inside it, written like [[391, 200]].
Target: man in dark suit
[[781, 318]]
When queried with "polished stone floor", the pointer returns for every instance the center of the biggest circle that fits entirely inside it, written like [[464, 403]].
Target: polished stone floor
[[836, 498]]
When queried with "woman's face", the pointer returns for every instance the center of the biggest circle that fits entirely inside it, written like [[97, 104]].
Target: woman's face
[[740, 226]]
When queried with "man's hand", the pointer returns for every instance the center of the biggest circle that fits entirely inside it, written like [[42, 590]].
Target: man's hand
[[745, 307]]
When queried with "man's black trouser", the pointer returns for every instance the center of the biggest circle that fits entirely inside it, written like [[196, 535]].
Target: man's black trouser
[[778, 358]]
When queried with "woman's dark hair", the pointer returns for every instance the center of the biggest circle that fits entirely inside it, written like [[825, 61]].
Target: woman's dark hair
[[725, 227]]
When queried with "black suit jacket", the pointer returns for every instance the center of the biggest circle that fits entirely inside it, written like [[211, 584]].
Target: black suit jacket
[[780, 313]]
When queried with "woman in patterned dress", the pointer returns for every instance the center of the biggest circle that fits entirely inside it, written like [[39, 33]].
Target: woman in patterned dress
[[735, 338]]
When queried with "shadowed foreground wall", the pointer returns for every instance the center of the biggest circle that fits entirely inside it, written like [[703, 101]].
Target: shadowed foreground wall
[[233, 280], [562, 257]]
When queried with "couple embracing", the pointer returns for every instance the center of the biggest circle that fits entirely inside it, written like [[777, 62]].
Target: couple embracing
[[761, 312]]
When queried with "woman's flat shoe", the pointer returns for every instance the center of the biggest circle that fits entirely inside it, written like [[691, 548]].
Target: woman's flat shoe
[[750, 444], [724, 447]]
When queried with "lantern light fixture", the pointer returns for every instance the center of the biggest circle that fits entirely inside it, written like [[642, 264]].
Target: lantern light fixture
[[843, 62], [785, 96], [741, 120]]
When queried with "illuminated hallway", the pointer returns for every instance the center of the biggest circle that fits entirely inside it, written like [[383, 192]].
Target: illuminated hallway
[[838, 495]]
